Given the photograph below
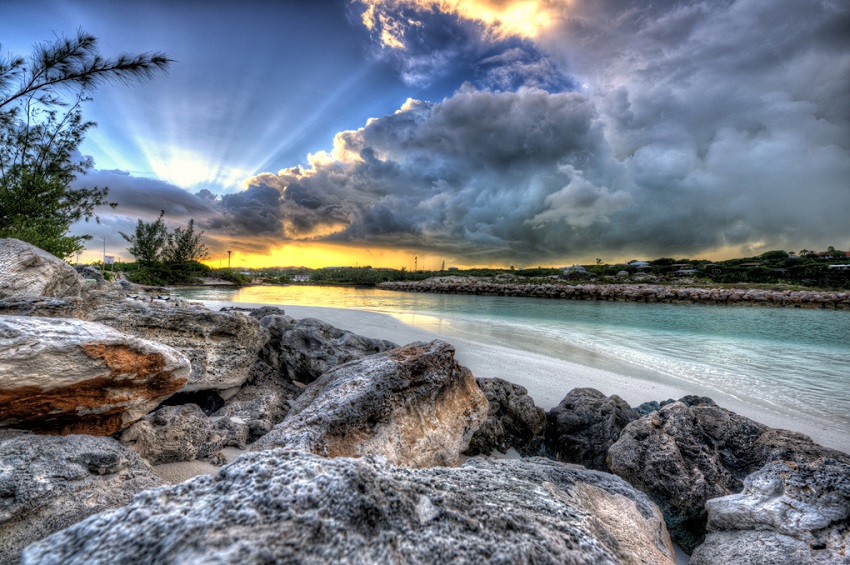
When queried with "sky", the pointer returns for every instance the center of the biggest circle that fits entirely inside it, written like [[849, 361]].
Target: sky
[[479, 132]]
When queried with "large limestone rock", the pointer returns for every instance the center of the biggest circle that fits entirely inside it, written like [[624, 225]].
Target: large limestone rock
[[413, 405], [183, 433], [304, 349], [43, 306], [48, 483], [69, 376], [221, 346], [585, 425], [512, 420], [289, 507], [262, 402], [26, 270], [787, 513], [682, 456]]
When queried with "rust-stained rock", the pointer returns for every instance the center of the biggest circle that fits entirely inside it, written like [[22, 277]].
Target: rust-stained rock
[[414, 405], [221, 346], [26, 270], [65, 376]]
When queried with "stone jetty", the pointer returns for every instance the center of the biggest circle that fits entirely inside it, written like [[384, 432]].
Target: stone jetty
[[648, 293]]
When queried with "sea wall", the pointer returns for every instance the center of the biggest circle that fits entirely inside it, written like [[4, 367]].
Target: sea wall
[[633, 293]]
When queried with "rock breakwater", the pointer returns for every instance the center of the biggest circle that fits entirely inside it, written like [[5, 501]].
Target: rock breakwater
[[632, 293]]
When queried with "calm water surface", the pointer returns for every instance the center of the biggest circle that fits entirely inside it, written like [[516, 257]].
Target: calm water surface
[[788, 359]]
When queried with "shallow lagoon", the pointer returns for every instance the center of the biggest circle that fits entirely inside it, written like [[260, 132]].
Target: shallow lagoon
[[793, 362]]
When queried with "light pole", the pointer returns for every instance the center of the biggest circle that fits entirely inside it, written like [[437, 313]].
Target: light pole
[[228, 258]]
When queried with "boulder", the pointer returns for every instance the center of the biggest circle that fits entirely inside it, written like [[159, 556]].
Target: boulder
[[682, 456], [585, 425], [44, 307], [304, 349], [26, 270], [221, 347], [263, 402], [259, 313], [90, 272], [183, 433], [48, 483], [283, 506], [413, 405], [66, 376], [512, 421], [786, 513]]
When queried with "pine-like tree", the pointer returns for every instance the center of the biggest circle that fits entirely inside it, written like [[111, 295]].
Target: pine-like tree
[[41, 128]]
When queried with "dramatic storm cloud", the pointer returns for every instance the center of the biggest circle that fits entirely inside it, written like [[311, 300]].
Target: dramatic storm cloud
[[534, 132], [248, 221], [677, 128]]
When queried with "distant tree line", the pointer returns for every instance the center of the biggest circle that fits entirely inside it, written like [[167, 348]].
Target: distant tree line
[[808, 268]]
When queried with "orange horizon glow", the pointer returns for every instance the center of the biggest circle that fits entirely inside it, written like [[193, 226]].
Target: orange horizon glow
[[316, 255]]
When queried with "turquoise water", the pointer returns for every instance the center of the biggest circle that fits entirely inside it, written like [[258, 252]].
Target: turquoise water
[[788, 360]]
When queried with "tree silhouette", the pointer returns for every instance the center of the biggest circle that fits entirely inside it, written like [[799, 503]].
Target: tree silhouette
[[41, 128]]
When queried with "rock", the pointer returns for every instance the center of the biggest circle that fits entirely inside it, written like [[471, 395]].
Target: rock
[[413, 405], [48, 483], [585, 425], [44, 307], [69, 376], [221, 347], [262, 402], [26, 270], [90, 272], [785, 445], [183, 433], [786, 513], [258, 313], [288, 507], [682, 456], [304, 349], [512, 420]]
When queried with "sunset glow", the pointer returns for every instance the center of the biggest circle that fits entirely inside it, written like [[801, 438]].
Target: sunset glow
[[479, 132]]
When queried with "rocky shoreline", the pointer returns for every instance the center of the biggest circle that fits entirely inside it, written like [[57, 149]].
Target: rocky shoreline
[[355, 448], [646, 293]]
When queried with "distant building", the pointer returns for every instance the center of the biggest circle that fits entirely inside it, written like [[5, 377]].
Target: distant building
[[300, 278], [639, 264], [574, 270], [840, 267], [685, 272], [452, 269]]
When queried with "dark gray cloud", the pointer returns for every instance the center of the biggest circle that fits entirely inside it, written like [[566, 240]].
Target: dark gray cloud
[[693, 126], [250, 221], [624, 130]]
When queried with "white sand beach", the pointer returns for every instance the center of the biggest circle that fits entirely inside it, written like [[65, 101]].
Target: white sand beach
[[548, 378]]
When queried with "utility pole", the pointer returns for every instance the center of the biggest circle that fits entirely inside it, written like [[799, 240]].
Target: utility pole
[[104, 251], [415, 263], [228, 258]]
